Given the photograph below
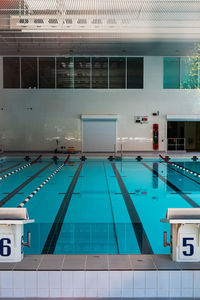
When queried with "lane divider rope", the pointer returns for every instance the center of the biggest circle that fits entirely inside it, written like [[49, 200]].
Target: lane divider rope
[[21, 168], [43, 183], [34, 161], [180, 167]]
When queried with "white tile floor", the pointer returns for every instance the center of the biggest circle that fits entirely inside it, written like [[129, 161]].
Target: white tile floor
[[98, 284], [105, 298]]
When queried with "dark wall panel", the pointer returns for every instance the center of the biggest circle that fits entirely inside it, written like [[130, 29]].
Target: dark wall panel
[[135, 72], [11, 72], [117, 73], [29, 72], [47, 72]]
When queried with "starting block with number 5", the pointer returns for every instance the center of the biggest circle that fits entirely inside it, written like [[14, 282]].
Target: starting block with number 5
[[185, 234], [12, 222]]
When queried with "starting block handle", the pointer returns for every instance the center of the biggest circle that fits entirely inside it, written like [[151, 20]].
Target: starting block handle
[[28, 243], [165, 240]]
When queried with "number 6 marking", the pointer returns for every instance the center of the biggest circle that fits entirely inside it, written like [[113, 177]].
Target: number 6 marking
[[5, 250], [186, 244]]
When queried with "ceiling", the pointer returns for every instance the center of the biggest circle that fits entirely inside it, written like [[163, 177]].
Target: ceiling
[[99, 27]]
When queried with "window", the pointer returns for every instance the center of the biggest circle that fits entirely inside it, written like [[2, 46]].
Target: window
[[117, 73], [82, 72], [189, 72], [99, 72], [11, 72], [171, 73], [135, 73], [29, 72], [47, 72], [180, 72], [65, 72]]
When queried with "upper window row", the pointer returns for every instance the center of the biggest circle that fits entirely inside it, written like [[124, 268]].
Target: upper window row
[[73, 72], [181, 73]]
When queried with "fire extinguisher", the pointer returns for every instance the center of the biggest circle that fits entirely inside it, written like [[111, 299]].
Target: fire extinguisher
[[155, 137]]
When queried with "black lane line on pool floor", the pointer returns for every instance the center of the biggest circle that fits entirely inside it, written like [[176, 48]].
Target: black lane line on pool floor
[[11, 167], [141, 236], [173, 187], [114, 226], [54, 233], [13, 193]]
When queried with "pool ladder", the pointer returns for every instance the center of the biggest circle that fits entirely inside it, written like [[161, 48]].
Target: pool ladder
[[115, 152]]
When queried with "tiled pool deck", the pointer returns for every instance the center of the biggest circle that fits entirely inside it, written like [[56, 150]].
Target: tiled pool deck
[[98, 263], [129, 154], [99, 276], [171, 298]]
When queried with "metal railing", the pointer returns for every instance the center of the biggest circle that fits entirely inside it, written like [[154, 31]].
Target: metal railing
[[118, 154], [176, 144]]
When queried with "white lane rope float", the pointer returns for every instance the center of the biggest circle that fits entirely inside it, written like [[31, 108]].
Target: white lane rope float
[[180, 167], [21, 168], [42, 184]]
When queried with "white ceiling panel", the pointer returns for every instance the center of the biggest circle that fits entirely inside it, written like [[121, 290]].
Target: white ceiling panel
[[58, 26], [125, 14]]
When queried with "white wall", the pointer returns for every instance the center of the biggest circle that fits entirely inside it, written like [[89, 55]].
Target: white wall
[[56, 113]]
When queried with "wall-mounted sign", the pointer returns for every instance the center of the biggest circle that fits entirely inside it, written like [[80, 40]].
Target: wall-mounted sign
[[141, 119]]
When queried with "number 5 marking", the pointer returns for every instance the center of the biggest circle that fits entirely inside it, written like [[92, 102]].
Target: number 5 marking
[[191, 246]]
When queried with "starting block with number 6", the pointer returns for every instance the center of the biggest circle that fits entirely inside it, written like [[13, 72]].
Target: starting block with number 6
[[12, 222], [185, 234]]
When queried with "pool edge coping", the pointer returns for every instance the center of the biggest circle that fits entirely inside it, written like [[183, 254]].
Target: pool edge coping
[[120, 262]]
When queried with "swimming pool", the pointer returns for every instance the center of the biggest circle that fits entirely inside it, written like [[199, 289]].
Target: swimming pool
[[99, 206]]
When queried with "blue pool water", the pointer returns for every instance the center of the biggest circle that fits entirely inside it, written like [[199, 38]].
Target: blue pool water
[[98, 206]]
